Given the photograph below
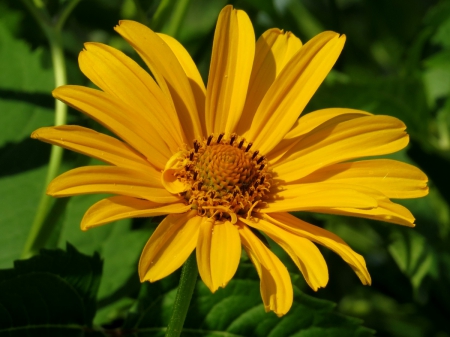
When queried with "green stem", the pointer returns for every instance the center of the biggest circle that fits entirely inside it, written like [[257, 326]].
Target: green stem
[[39, 15], [36, 238], [65, 14], [177, 18], [306, 21], [141, 13], [160, 15], [183, 298]]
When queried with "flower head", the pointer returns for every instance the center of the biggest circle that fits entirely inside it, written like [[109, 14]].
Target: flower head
[[230, 160]]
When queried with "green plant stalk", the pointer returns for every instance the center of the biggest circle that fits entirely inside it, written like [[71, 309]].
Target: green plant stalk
[[175, 21], [65, 14], [185, 290], [161, 13], [306, 22], [141, 13], [36, 238]]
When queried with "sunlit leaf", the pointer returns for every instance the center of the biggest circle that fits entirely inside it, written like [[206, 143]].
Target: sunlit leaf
[[119, 246], [25, 104]]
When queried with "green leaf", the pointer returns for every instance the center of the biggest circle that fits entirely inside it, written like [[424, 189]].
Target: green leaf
[[403, 98], [121, 252], [21, 193], [25, 105], [86, 242], [237, 310], [414, 256], [439, 18], [52, 294], [119, 245], [437, 75], [10, 18]]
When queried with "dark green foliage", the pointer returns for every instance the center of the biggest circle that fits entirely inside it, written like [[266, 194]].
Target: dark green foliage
[[236, 311], [52, 294]]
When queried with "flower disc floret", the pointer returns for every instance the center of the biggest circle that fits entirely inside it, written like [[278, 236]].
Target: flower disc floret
[[223, 177]]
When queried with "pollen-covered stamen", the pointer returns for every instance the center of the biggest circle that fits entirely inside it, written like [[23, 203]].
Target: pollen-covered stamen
[[223, 178]]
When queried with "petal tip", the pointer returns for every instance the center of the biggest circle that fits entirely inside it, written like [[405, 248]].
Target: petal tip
[[55, 92], [35, 134]]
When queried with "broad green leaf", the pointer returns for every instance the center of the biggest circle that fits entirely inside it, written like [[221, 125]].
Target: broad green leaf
[[404, 98], [10, 18], [437, 75], [87, 242], [438, 17], [118, 244], [114, 311], [414, 255], [442, 129], [51, 294], [25, 86], [21, 194], [236, 311], [25, 105]]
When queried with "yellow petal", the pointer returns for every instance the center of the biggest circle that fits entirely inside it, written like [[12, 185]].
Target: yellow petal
[[229, 73], [218, 253], [386, 210], [276, 287], [110, 179], [169, 180], [310, 198], [274, 49], [195, 79], [341, 141], [93, 144], [116, 117], [319, 235], [394, 179], [169, 246], [119, 207], [309, 122], [203, 252], [167, 71], [117, 74], [292, 90], [303, 252]]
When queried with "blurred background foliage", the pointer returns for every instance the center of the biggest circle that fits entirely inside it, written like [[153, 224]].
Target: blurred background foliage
[[396, 62]]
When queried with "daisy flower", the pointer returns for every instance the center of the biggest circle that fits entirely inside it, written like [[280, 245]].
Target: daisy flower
[[228, 161]]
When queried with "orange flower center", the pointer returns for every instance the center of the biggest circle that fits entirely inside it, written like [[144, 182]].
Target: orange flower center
[[224, 177]]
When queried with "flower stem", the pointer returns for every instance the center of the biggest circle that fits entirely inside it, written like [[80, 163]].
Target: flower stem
[[183, 298], [65, 14], [177, 17], [36, 238], [141, 13]]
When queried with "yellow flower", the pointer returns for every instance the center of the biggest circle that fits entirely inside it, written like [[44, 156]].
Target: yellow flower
[[230, 160]]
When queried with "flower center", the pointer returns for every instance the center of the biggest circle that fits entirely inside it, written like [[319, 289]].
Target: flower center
[[223, 168], [222, 177]]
